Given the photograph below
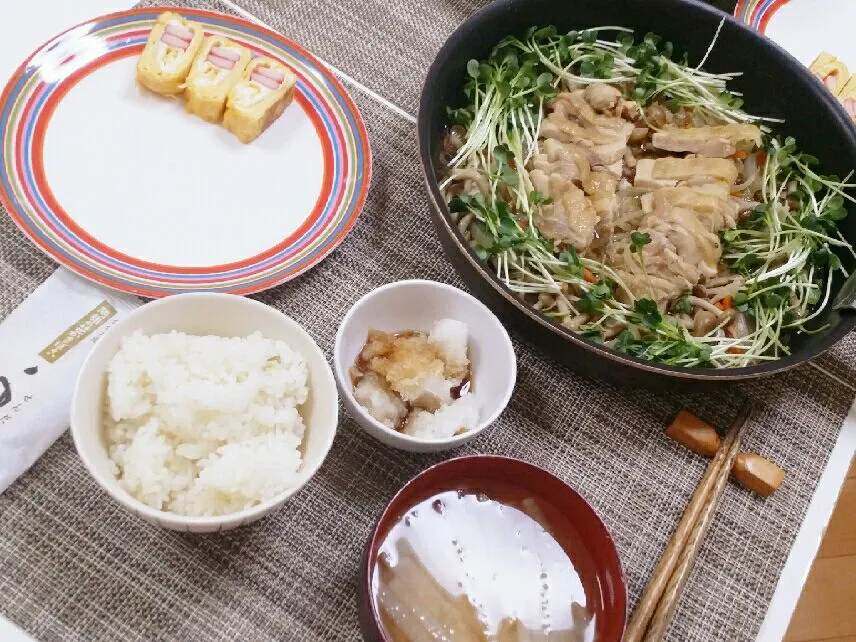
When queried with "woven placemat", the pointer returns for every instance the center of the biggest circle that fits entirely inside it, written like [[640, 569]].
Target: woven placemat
[[73, 566]]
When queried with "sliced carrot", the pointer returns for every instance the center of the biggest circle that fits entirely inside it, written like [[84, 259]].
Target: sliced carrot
[[733, 350], [761, 157], [725, 303], [739, 155], [588, 276]]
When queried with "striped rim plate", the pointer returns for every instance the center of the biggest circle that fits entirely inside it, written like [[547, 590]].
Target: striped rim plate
[[127, 189], [757, 13], [805, 28]]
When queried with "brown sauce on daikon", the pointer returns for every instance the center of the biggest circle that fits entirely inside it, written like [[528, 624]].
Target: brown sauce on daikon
[[464, 388], [484, 563], [362, 366]]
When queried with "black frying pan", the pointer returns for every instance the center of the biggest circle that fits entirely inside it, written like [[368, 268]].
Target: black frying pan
[[774, 84]]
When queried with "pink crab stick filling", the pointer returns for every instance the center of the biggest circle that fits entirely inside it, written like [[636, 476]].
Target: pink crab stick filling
[[174, 41], [177, 36], [270, 83], [220, 61], [268, 77], [850, 106], [273, 74], [830, 81], [225, 52]]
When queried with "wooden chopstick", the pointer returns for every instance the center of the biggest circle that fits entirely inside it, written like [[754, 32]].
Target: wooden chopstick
[[714, 477], [671, 596]]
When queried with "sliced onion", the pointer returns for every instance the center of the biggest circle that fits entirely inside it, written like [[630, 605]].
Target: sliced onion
[[739, 327], [750, 173]]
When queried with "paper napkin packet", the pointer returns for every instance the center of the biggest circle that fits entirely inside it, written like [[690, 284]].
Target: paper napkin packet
[[43, 344]]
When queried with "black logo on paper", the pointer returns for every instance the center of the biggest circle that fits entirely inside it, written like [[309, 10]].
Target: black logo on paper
[[6, 388]]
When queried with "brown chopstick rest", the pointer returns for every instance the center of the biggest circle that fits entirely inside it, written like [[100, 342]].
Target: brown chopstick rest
[[757, 473], [754, 472], [695, 434]]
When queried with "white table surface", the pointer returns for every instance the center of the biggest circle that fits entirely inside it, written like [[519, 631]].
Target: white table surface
[[37, 21]]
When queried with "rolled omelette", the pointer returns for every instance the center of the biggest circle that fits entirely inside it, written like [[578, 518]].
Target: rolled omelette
[[832, 72], [217, 68], [848, 97], [169, 52], [259, 98]]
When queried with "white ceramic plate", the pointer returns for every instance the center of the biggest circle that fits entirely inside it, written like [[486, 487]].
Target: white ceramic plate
[[805, 27], [128, 189]]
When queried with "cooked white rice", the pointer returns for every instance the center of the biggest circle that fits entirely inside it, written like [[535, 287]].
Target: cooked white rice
[[205, 425]]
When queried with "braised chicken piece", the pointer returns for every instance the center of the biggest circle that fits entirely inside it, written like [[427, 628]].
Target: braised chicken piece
[[720, 141], [571, 217], [559, 158], [602, 97], [579, 164], [711, 200], [667, 172], [600, 137], [600, 187], [683, 224]]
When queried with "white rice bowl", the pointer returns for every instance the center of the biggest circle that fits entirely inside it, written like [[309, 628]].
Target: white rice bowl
[[205, 425]]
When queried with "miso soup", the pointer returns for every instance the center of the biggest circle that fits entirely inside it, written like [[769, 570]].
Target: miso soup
[[465, 566]]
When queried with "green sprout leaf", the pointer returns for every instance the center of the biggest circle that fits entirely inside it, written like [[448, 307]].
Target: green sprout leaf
[[602, 289], [638, 240], [683, 305], [741, 301], [590, 304], [537, 198], [544, 33], [648, 312], [572, 260]]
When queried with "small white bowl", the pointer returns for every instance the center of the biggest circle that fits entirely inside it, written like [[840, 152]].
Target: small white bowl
[[223, 315], [416, 305]]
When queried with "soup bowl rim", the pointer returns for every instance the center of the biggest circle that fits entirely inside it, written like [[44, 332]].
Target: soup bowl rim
[[370, 618]]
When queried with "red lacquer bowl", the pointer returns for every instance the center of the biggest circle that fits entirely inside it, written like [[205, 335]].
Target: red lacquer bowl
[[595, 558]]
